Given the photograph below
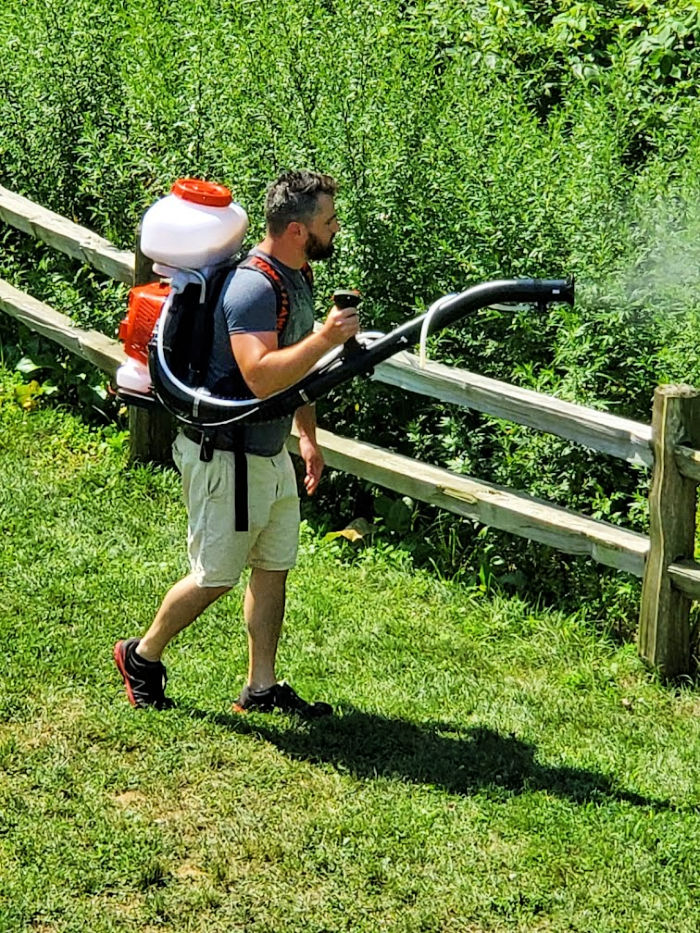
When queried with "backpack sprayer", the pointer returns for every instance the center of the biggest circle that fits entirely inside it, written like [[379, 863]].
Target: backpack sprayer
[[191, 235]]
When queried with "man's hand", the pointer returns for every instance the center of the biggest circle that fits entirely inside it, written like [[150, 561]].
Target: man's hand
[[305, 418], [313, 461], [340, 325]]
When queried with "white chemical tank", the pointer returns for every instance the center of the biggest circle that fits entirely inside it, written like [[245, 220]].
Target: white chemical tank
[[198, 224]]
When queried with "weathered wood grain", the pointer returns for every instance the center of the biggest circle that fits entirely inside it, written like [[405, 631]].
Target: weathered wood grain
[[685, 575], [66, 236], [688, 462], [664, 619]]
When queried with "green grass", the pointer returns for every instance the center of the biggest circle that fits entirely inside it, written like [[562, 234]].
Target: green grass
[[492, 767]]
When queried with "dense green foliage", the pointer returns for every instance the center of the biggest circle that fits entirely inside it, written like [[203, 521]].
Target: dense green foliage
[[490, 768], [471, 140]]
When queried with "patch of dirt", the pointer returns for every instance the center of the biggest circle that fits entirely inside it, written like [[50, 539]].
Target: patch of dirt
[[131, 800], [188, 871]]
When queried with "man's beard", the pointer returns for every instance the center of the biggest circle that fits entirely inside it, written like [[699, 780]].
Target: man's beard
[[315, 249]]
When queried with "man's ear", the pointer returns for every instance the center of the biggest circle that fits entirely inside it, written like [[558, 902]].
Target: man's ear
[[296, 229]]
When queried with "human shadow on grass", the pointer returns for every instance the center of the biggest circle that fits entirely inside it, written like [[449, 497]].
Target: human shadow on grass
[[459, 760]]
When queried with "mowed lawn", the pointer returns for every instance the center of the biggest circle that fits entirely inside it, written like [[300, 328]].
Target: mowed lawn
[[491, 767]]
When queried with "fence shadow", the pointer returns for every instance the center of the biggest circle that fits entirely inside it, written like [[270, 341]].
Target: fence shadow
[[459, 760]]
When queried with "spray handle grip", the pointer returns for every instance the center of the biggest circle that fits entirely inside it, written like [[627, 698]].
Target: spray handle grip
[[348, 298]]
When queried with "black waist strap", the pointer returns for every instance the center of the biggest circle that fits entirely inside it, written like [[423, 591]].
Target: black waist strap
[[214, 440], [234, 442]]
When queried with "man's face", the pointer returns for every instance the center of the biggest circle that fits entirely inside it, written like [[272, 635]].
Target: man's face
[[321, 229]]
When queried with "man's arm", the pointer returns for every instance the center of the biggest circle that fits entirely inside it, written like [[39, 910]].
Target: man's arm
[[305, 418], [268, 368]]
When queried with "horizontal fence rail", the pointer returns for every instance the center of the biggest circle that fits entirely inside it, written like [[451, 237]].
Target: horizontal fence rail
[[685, 575], [495, 506], [66, 236], [677, 470], [606, 433], [104, 352]]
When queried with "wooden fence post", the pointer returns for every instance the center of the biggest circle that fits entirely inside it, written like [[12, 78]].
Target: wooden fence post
[[664, 621], [151, 430]]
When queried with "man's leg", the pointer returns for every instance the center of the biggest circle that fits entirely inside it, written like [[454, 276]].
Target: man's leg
[[276, 546], [182, 604], [139, 661], [264, 612]]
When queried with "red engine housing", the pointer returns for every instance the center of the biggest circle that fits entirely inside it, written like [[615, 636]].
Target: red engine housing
[[145, 305]]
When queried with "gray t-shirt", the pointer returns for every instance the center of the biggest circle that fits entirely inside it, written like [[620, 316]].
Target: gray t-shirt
[[248, 304]]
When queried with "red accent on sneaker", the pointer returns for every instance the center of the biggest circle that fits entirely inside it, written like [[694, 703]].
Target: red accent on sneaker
[[119, 660]]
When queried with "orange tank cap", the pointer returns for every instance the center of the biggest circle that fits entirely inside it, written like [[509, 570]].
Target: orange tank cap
[[202, 192]]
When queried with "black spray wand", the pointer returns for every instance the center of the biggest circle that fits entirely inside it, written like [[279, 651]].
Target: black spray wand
[[361, 359], [201, 408]]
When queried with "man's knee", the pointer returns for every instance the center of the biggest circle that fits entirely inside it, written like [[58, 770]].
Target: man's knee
[[272, 576], [205, 594], [267, 581], [214, 592]]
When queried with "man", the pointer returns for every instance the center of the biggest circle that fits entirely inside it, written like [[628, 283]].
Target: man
[[301, 224]]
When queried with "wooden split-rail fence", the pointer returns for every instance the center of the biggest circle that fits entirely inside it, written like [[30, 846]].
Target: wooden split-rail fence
[[664, 558]]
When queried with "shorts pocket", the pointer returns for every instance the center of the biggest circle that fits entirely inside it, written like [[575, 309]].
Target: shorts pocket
[[218, 475]]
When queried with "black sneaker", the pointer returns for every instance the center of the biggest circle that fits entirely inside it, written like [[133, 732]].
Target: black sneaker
[[279, 696], [144, 680]]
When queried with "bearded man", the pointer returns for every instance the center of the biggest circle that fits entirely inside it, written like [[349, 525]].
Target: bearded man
[[241, 498]]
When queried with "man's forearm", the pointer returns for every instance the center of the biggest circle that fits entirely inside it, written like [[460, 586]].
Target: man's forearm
[[268, 368], [280, 368], [308, 447], [305, 418]]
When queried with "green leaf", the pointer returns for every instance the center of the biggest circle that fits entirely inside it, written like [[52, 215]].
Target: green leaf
[[27, 395], [26, 366]]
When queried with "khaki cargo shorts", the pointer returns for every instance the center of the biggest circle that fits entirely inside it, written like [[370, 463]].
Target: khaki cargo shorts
[[216, 551]]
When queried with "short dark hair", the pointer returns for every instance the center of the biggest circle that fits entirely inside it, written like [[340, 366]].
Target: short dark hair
[[294, 196]]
